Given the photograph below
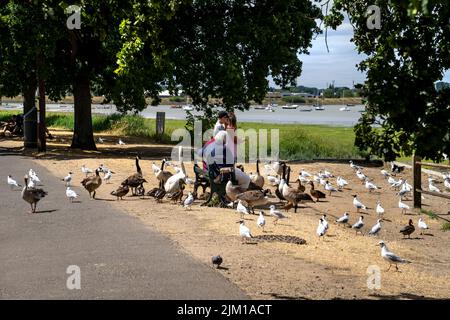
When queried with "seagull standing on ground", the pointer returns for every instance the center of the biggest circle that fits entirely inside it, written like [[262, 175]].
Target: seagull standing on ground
[[12, 183], [71, 194], [329, 187], [85, 170], [343, 219], [422, 225], [33, 176], [341, 182], [68, 179], [241, 209], [261, 222], [390, 256], [121, 143], [376, 228], [188, 201], [358, 225], [357, 204], [321, 229], [402, 206], [371, 186], [380, 209], [244, 231], [100, 140], [277, 214], [108, 176]]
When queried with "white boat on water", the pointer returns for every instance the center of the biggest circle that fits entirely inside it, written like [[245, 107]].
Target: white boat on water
[[259, 108], [319, 108], [292, 107], [305, 109], [344, 109], [270, 108]]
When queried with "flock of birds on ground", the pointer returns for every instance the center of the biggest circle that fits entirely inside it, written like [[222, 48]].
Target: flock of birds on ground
[[277, 174]]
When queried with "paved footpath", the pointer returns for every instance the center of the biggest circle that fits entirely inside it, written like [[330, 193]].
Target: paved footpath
[[118, 256]]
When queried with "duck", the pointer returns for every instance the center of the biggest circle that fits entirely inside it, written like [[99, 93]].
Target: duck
[[121, 192], [316, 193], [32, 195], [136, 180], [91, 184], [300, 186], [390, 256], [257, 179], [408, 230], [232, 188], [254, 198]]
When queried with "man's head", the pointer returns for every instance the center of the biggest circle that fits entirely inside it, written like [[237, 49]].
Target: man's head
[[223, 116]]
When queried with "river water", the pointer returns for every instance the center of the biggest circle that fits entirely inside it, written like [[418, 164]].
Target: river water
[[330, 116]]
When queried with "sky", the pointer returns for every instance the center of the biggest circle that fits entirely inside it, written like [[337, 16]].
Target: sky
[[321, 67]]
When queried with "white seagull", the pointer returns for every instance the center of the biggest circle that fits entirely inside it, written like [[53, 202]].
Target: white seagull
[[71, 194], [86, 170], [108, 176], [261, 222], [273, 180], [379, 209], [31, 184], [343, 219], [12, 183], [188, 201], [241, 209], [376, 228], [244, 231], [422, 225], [121, 143], [324, 221], [361, 176], [390, 256], [357, 204], [341, 182], [100, 140], [277, 214], [321, 229], [33, 176], [354, 166], [305, 174], [447, 183], [68, 179], [432, 187], [385, 174], [330, 188], [371, 186], [358, 225], [402, 206]]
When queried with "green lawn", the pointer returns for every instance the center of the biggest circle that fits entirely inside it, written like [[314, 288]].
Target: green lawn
[[297, 142]]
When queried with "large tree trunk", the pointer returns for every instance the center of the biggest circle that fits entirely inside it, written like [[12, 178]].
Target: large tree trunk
[[83, 134], [30, 121]]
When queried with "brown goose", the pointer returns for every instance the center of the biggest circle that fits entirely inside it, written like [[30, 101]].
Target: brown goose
[[91, 184], [121, 192], [316, 193], [300, 187], [32, 195], [278, 190], [258, 179], [408, 230], [292, 195], [136, 180], [161, 174], [254, 198]]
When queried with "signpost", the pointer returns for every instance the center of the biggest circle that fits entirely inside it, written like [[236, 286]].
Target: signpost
[[160, 123]]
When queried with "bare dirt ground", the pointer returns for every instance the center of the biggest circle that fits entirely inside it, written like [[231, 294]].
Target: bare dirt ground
[[331, 268]]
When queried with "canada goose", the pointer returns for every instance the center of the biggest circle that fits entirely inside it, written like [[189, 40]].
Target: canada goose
[[293, 196], [408, 230], [91, 184], [232, 189], [258, 179], [161, 174], [121, 192], [254, 198], [32, 195], [136, 180], [279, 187], [316, 193], [240, 167], [160, 194]]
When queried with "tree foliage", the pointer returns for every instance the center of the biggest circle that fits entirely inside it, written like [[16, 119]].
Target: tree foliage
[[405, 57]]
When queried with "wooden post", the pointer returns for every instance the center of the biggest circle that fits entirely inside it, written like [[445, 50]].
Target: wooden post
[[42, 144], [160, 123], [417, 184]]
